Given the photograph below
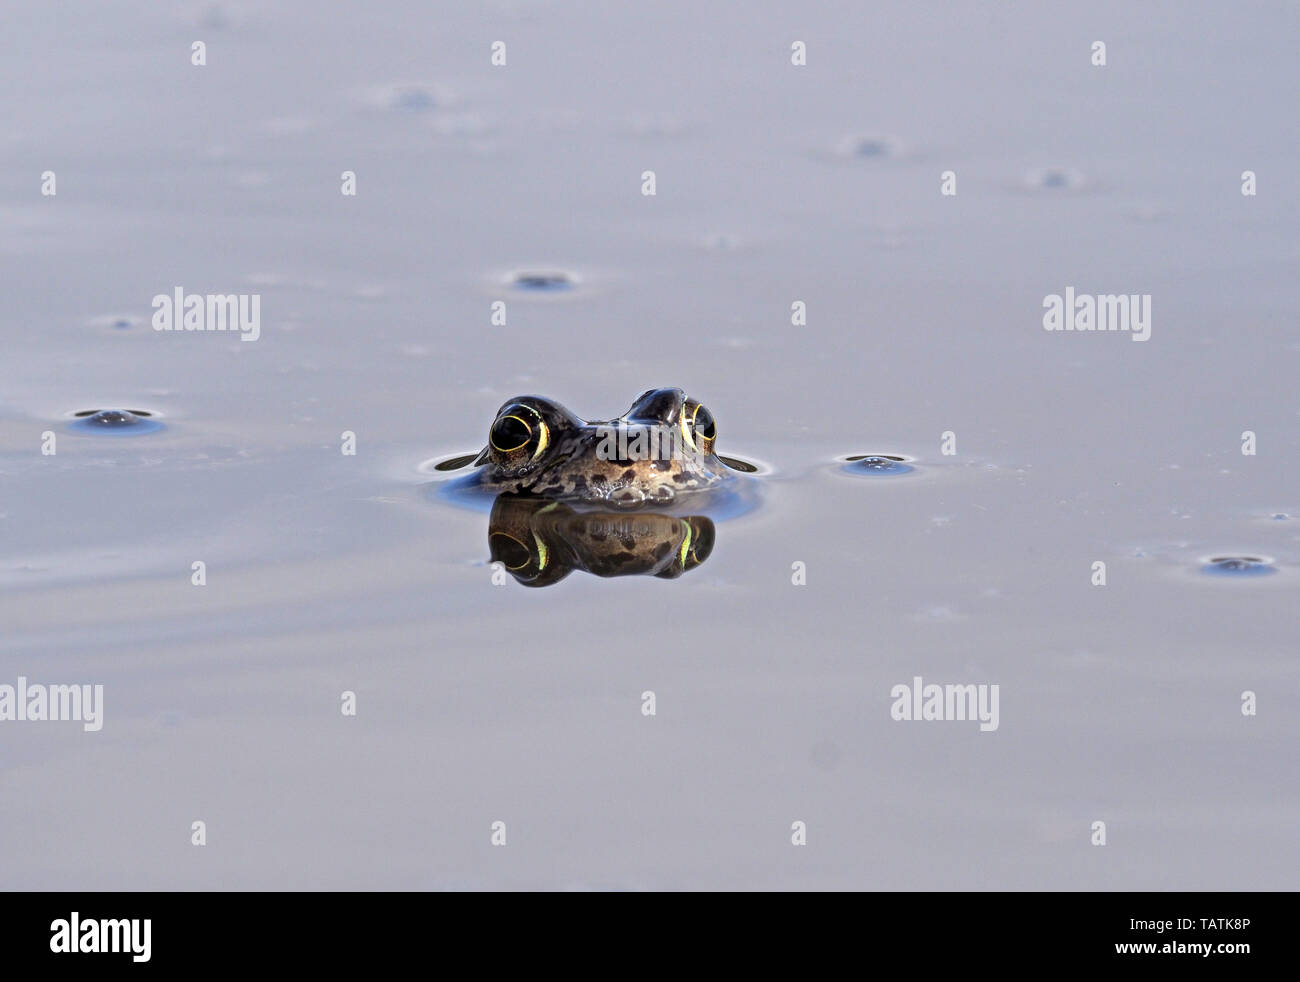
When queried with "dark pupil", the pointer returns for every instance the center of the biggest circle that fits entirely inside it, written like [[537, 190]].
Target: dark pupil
[[704, 424], [510, 552], [509, 433]]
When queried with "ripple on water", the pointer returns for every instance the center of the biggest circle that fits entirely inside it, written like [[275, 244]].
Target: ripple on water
[[543, 281], [116, 322], [877, 465], [412, 98], [455, 462], [1238, 566], [115, 422], [453, 480], [744, 466], [869, 147], [417, 98], [1056, 179]]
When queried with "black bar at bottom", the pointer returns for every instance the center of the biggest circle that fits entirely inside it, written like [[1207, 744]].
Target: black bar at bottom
[[170, 931]]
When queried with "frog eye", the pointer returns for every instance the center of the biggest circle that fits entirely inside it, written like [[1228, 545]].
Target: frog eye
[[510, 433], [705, 427], [698, 427], [509, 551], [519, 433], [701, 542]]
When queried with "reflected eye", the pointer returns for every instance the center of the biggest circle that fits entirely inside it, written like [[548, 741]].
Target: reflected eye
[[509, 550], [510, 433]]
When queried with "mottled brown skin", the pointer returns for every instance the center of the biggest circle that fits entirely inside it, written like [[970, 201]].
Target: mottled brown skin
[[537, 447], [540, 542]]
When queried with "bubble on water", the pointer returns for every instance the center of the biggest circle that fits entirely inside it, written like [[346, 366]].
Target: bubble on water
[[543, 281], [1238, 566], [125, 422], [1055, 179], [116, 322], [412, 98], [1280, 516], [627, 496], [416, 98], [877, 465], [871, 146]]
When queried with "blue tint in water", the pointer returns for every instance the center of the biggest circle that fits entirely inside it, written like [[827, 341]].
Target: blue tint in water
[[871, 148], [115, 422], [1056, 179], [412, 98], [543, 282], [878, 465], [1237, 566]]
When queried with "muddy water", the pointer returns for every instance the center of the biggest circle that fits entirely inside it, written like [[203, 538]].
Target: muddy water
[[479, 702]]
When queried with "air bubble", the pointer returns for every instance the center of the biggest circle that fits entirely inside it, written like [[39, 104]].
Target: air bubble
[[1239, 566], [877, 465], [126, 422], [543, 282]]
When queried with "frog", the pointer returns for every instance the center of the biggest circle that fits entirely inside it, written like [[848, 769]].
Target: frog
[[541, 541], [661, 449]]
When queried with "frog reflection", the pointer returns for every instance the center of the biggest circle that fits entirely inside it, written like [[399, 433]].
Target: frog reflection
[[540, 542]]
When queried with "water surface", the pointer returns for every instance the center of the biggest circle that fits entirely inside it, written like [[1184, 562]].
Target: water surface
[[480, 702]]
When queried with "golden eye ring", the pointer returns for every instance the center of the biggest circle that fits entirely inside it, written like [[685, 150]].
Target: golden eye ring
[[687, 536], [543, 439], [688, 428], [498, 424], [522, 548]]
